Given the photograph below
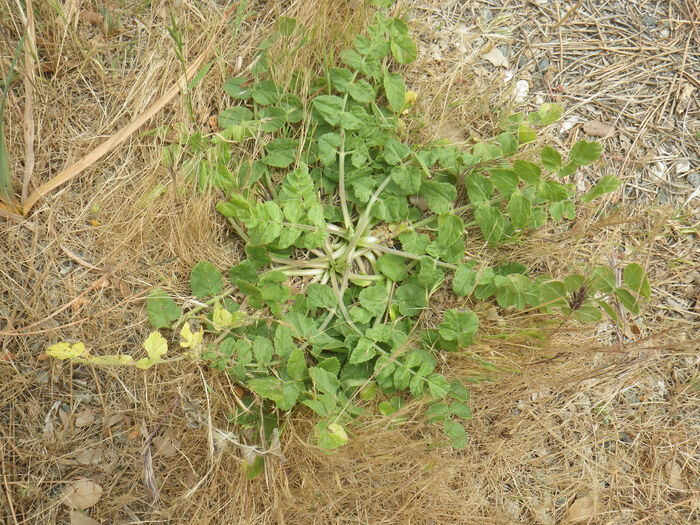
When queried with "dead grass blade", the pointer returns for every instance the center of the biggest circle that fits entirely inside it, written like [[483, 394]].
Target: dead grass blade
[[123, 134], [6, 188], [28, 124]]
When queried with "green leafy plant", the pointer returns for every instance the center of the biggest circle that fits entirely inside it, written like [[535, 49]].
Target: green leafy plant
[[349, 233]]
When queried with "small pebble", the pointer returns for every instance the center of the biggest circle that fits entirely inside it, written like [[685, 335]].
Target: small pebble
[[664, 33], [632, 397], [522, 88], [543, 65], [683, 166], [65, 267], [694, 179], [662, 196], [648, 20]]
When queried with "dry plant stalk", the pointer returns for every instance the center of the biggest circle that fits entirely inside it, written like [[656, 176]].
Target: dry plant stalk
[[29, 77]]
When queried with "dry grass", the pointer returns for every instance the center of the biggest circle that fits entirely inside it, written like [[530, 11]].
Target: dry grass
[[603, 412]]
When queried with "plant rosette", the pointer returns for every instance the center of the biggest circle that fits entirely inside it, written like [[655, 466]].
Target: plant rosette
[[349, 232]]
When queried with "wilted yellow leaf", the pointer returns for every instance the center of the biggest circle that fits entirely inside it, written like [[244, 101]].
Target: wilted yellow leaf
[[190, 339], [66, 350], [409, 100], [222, 319], [338, 431], [156, 346]]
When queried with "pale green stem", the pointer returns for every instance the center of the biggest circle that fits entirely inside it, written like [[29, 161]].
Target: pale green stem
[[319, 262], [341, 181], [311, 272], [378, 320], [341, 168], [406, 255], [420, 161], [360, 232], [243, 235], [365, 277]]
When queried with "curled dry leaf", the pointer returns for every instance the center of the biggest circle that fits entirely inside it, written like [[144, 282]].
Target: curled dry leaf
[[166, 445], [90, 456], [82, 494], [79, 303], [682, 166], [78, 518], [419, 201], [684, 98], [496, 57], [581, 510], [101, 283], [673, 473], [275, 447], [84, 418], [193, 412], [597, 128], [64, 416]]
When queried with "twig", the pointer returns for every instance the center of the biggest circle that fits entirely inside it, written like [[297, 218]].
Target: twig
[[8, 493], [28, 124], [690, 6], [16, 218], [570, 12], [80, 261]]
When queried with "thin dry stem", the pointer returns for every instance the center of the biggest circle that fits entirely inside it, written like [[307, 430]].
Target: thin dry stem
[[29, 80]]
